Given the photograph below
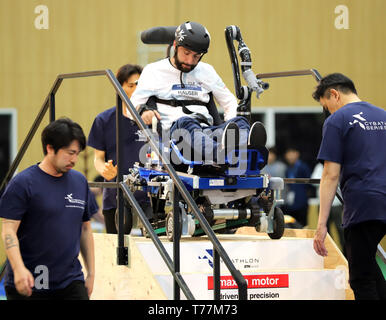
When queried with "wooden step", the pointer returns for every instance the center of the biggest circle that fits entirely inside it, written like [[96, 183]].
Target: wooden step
[[146, 276]]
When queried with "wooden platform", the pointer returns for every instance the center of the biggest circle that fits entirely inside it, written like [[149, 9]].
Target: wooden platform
[[147, 277], [335, 258], [114, 282]]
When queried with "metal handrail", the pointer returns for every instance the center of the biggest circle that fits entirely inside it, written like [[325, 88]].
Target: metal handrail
[[49, 103], [157, 242], [295, 73]]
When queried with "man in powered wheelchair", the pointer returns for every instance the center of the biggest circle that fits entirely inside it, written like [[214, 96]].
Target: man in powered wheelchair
[[218, 161]]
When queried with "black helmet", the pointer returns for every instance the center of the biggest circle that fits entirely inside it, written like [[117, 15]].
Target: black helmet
[[193, 36]]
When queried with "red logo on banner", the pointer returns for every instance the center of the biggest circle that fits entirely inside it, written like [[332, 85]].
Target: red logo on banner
[[253, 281]]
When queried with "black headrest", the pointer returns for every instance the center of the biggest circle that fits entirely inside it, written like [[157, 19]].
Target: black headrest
[[159, 35]]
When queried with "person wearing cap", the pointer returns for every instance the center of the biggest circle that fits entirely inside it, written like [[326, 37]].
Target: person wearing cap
[[181, 87]]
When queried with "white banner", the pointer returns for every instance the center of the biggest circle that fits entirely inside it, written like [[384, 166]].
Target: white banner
[[292, 285], [251, 255]]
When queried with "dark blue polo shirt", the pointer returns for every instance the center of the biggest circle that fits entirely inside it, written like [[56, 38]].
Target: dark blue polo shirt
[[355, 137], [103, 137], [51, 211]]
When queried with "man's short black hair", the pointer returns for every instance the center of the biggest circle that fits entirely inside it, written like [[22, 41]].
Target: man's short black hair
[[273, 150], [126, 71], [335, 81], [60, 134]]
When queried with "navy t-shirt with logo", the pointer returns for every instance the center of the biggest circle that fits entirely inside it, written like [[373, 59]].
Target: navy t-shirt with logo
[[51, 211], [102, 136], [355, 137]]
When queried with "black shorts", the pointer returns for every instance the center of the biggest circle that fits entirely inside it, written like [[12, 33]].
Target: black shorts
[[76, 290]]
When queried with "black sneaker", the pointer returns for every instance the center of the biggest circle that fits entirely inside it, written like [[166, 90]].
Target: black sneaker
[[257, 136]]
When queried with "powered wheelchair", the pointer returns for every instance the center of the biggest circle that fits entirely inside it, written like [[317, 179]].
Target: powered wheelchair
[[229, 196]]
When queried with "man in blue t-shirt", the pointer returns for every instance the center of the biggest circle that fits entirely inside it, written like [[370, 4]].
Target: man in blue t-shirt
[[352, 148], [296, 203], [102, 138], [46, 212]]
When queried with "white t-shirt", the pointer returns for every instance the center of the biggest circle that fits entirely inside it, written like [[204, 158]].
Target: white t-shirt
[[162, 80]]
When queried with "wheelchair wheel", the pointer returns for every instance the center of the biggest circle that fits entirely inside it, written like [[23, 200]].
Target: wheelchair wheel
[[278, 224], [169, 226], [127, 220]]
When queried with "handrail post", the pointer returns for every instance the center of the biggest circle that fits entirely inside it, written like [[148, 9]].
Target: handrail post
[[157, 242], [176, 239], [242, 285], [122, 251], [216, 275]]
